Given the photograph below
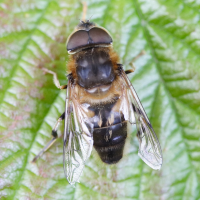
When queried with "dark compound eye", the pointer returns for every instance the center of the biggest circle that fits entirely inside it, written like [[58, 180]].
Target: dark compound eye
[[78, 39], [83, 38], [100, 36]]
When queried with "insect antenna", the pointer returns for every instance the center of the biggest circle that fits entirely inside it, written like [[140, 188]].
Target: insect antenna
[[90, 18]]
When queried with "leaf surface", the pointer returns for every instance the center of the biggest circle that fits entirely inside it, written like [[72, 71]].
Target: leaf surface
[[33, 34]]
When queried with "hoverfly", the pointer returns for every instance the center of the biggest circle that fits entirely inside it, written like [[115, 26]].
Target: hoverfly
[[100, 103]]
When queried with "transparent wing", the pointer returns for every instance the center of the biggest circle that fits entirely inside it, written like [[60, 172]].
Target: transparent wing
[[78, 140], [149, 147]]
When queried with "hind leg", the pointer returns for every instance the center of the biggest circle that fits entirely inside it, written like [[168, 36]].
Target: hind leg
[[51, 142]]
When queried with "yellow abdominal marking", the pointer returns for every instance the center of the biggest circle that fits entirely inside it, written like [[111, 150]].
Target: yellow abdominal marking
[[100, 120]]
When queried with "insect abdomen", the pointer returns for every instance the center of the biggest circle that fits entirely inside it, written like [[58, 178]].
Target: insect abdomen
[[109, 142]]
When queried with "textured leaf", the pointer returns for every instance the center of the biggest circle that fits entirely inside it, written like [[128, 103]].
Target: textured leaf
[[34, 33]]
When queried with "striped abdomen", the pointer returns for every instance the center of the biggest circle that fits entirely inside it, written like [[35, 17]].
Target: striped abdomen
[[110, 147], [110, 132]]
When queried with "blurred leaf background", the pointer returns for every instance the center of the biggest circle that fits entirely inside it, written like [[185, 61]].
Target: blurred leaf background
[[33, 33]]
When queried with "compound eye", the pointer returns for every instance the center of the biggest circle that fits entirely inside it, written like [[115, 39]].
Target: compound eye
[[99, 36], [79, 38]]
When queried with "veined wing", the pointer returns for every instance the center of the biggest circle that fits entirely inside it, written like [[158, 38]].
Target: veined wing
[[78, 140], [149, 147]]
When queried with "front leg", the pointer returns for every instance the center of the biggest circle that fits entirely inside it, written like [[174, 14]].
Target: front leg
[[55, 79]]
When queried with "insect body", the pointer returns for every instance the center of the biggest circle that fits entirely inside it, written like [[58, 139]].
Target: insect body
[[98, 94], [100, 102]]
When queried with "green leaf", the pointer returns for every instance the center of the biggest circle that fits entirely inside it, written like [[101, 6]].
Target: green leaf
[[34, 34]]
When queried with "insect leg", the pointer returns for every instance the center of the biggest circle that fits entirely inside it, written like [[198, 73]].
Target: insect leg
[[51, 142], [139, 55], [132, 61], [129, 71], [55, 79]]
